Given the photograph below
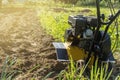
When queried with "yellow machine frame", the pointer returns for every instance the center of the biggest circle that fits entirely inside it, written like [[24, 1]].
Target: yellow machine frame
[[78, 54]]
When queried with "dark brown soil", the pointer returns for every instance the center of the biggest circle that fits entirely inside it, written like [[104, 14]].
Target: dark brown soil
[[22, 37]]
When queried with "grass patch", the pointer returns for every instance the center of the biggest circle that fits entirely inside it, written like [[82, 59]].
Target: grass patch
[[74, 72], [54, 23], [7, 71]]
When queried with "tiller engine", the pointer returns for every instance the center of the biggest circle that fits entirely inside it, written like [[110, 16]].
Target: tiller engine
[[85, 40]]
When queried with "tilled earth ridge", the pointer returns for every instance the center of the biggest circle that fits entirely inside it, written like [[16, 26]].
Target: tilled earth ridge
[[21, 37]]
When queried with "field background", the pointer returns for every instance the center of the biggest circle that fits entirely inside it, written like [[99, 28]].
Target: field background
[[27, 30]]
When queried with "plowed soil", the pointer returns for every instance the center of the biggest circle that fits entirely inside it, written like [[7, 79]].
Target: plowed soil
[[22, 37]]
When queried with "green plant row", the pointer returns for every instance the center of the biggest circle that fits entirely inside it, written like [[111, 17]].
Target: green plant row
[[74, 72], [54, 23]]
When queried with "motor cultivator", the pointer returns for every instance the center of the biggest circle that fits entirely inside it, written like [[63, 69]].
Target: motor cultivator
[[85, 40]]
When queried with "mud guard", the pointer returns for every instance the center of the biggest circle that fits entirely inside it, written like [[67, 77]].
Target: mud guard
[[106, 48], [66, 52]]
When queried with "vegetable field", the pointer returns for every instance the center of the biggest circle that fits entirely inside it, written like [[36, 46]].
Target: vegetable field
[[27, 30]]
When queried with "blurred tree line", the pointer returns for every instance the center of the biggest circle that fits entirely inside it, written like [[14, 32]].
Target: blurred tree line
[[86, 2], [5, 1], [0, 3]]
